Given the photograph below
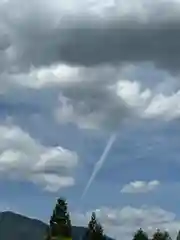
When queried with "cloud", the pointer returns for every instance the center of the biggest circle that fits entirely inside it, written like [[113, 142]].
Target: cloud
[[107, 105], [121, 223], [55, 51], [100, 97], [49, 46], [140, 187], [89, 100], [53, 76], [166, 107], [25, 159], [78, 95], [92, 98], [149, 103], [47, 32]]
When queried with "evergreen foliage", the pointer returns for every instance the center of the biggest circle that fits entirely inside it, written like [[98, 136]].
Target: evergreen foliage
[[60, 223]]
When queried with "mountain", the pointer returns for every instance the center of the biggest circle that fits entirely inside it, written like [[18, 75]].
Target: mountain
[[17, 227]]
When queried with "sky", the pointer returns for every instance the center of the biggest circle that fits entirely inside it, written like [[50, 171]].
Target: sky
[[72, 73]]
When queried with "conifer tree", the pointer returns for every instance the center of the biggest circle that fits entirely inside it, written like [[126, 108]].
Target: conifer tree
[[95, 230], [99, 232], [178, 236], [60, 223], [167, 236], [159, 235], [140, 235], [47, 235]]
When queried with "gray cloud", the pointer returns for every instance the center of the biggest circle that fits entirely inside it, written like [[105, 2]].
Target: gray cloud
[[159, 44], [90, 101], [44, 33]]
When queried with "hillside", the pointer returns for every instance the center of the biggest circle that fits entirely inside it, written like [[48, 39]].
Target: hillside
[[17, 227]]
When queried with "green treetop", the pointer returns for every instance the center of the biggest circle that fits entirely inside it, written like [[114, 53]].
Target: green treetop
[[60, 223], [140, 235], [159, 235], [95, 230]]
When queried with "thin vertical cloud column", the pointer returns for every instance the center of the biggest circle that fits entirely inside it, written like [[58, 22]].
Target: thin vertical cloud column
[[100, 163]]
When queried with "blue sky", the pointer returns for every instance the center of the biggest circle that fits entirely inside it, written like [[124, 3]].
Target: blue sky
[[71, 75]]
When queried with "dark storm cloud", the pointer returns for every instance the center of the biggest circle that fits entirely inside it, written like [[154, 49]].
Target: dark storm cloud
[[4, 42], [42, 33], [159, 44], [36, 35], [90, 46]]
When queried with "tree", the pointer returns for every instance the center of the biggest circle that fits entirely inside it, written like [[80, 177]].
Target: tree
[[95, 230], [159, 235], [91, 227], [178, 236], [60, 223], [140, 235], [167, 236], [92, 223], [47, 235], [99, 232]]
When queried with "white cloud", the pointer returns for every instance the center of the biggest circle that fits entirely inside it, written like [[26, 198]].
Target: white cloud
[[131, 93], [164, 107], [47, 77], [140, 187], [149, 103], [25, 159], [121, 223]]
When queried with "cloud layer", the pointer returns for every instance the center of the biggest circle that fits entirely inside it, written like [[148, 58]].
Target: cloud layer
[[93, 98], [47, 32], [121, 223], [40, 44], [100, 97]]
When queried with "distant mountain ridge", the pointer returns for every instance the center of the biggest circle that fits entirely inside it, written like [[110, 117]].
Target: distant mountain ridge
[[15, 226]]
